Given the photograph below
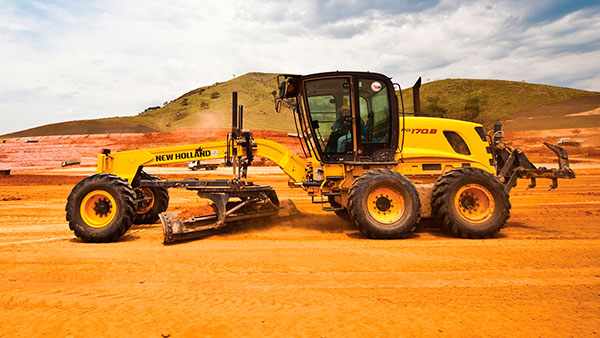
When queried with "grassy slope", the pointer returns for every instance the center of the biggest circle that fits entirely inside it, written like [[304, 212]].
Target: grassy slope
[[201, 107], [495, 99], [492, 100], [98, 126], [556, 115]]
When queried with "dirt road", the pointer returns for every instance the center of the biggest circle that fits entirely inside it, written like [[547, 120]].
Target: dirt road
[[312, 276]]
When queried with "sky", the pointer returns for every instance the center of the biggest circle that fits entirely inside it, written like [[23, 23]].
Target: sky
[[63, 60]]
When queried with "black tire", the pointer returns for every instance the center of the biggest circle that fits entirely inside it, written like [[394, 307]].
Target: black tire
[[104, 221], [404, 206], [462, 198], [343, 214], [158, 201]]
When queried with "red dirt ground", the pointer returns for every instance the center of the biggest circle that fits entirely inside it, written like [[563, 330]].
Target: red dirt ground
[[51, 151], [531, 142], [312, 275]]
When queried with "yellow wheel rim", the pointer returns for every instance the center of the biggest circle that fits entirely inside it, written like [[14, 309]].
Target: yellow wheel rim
[[385, 205], [98, 208], [474, 203], [147, 197]]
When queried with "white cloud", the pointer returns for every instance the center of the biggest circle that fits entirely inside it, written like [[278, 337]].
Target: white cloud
[[72, 61]]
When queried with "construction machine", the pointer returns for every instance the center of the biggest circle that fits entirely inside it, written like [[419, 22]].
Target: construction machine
[[362, 158]]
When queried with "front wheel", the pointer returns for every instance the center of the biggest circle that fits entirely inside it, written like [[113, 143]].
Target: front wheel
[[471, 202], [384, 204], [100, 208]]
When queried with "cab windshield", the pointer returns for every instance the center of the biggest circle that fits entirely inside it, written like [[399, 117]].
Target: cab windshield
[[375, 124]]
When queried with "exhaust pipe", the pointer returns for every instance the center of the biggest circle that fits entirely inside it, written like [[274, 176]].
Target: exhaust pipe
[[417, 97]]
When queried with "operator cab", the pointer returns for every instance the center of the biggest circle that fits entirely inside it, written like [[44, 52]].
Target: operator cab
[[345, 116]]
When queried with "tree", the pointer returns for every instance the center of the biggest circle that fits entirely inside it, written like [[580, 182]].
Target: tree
[[434, 108], [472, 108]]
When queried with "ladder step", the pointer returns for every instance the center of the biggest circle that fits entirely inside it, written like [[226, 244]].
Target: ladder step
[[312, 199], [335, 193], [333, 209]]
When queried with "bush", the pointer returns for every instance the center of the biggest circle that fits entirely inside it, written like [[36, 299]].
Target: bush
[[472, 109], [215, 95], [433, 107], [149, 109]]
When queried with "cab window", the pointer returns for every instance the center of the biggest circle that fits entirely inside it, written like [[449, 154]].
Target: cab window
[[375, 124]]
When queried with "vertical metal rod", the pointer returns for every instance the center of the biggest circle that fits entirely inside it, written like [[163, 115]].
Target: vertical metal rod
[[241, 119], [234, 108]]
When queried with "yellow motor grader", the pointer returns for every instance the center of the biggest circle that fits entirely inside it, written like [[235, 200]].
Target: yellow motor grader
[[364, 159]]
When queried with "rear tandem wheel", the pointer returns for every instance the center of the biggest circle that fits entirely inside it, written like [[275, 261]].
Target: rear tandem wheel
[[471, 203]]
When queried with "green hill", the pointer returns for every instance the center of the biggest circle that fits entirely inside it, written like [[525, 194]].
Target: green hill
[[97, 126], [210, 106], [484, 101]]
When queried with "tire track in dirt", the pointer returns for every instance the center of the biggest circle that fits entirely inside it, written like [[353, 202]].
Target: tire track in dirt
[[28, 241]]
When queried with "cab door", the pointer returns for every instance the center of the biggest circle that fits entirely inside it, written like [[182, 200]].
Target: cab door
[[376, 120], [330, 106]]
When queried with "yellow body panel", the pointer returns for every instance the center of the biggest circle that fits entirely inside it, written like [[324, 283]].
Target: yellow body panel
[[425, 143], [293, 165]]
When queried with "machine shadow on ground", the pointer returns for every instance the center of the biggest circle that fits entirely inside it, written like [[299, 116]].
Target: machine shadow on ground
[[326, 224]]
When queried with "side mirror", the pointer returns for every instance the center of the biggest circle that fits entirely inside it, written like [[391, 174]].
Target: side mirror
[[282, 89]]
